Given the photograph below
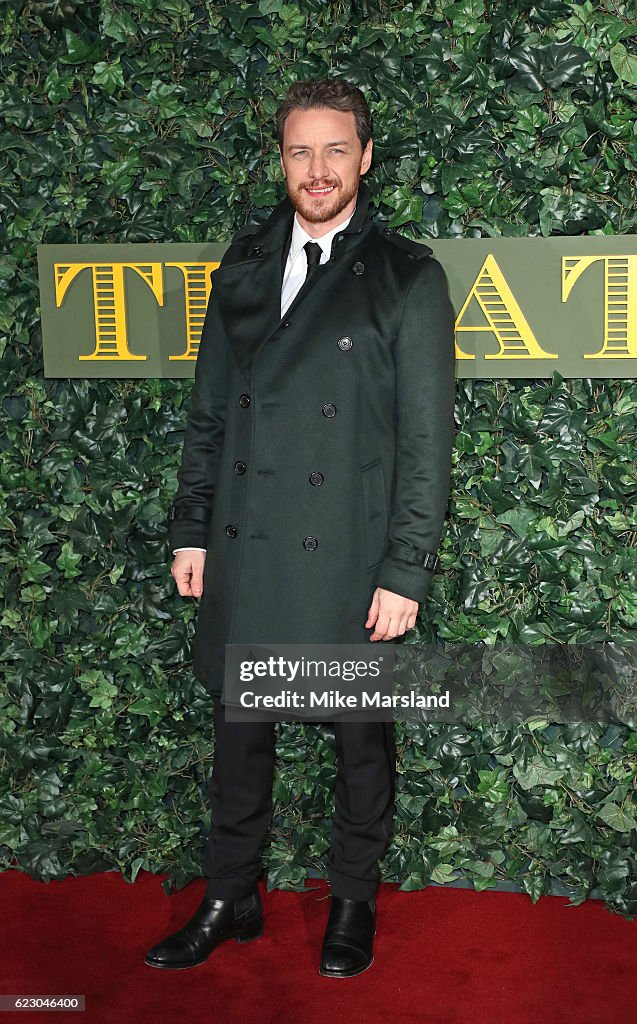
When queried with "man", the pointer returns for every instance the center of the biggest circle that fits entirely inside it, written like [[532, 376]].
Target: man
[[313, 487]]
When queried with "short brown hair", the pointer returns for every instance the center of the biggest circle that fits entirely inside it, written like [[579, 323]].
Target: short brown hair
[[335, 93]]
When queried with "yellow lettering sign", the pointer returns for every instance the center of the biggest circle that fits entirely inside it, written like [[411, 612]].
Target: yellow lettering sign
[[109, 302], [198, 285], [505, 319], [620, 301]]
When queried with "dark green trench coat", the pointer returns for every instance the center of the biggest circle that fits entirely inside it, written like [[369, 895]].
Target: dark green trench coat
[[317, 452]]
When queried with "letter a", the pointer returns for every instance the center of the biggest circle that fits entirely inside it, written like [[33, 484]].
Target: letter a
[[505, 319]]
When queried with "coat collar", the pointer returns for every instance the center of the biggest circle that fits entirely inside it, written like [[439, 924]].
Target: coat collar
[[248, 284]]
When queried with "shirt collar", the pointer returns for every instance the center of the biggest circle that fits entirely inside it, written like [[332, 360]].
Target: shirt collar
[[300, 237]]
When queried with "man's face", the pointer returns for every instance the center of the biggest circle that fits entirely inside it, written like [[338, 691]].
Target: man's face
[[322, 160]]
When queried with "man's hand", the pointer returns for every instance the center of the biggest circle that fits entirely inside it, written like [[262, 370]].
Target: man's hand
[[187, 570], [391, 614]]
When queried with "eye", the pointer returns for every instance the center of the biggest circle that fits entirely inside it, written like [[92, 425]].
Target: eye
[[337, 150]]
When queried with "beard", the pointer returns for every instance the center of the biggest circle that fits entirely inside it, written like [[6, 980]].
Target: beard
[[319, 209]]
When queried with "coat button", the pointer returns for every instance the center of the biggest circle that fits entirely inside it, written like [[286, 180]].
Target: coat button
[[244, 401], [329, 410], [344, 343], [310, 543], [359, 268], [231, 531], [286, 324], [316, 479], [240, 467]]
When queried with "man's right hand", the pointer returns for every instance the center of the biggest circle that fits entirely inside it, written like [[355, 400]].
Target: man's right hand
[[187, 571]]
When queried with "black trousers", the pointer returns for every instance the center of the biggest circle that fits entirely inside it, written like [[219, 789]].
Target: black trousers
[[241, 801]]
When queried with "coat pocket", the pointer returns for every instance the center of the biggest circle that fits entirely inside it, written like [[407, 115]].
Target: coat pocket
[[375, 504]]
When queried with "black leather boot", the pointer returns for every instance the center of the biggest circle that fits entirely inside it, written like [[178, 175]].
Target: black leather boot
[[212, 923], [348, 946]]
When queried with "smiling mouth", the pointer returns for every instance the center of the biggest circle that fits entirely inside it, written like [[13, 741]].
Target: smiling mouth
[[320, 191]]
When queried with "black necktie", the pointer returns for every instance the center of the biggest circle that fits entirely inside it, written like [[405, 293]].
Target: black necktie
[[313, 252]]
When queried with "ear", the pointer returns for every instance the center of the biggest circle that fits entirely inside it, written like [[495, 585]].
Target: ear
[[366, 158]]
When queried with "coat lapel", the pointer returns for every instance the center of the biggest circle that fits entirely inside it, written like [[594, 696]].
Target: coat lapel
[[248, 288]]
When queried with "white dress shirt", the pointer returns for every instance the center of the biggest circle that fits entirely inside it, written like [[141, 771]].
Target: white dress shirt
[[296, 265], [295, 273]]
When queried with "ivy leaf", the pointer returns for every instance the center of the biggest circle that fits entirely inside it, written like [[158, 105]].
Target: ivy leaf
[[68, 561], [533, 883], [79, 50], [551, 65], [147, 707], [118, 25], [624, 63], [442, 873], [519, 519], [562, 62], [271, 6], [58, 87], [167, 98], [33, 593], [537, 773], [109, 76], [101, 689], [615, 816], [407, 208], [35, 570], [493, 785]]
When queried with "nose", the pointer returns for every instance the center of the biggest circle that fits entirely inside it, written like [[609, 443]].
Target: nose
[[318, 165]]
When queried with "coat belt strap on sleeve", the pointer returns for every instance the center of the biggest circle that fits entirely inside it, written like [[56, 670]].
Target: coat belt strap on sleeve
[[414, 556], [193, 512]]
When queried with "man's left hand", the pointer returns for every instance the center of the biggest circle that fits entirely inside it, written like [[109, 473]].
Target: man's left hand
[[391, 614]]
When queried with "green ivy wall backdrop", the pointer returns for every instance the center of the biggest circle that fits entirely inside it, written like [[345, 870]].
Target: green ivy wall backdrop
[[142, 120]]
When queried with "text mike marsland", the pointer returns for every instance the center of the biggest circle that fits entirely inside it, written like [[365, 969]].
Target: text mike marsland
[[335, 699]]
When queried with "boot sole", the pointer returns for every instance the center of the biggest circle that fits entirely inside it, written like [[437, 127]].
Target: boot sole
[[350, 974], [241, 937]]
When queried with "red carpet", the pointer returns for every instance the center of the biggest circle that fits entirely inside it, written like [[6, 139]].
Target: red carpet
[[443, 956]]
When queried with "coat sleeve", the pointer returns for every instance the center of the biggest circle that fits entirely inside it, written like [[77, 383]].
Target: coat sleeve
[[425, 395], [191, 510]]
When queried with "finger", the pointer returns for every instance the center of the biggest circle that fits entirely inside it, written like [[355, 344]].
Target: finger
[[392, 629], [372, 614], [403, 625], [382, 627], [182, 579], [196, 583]]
